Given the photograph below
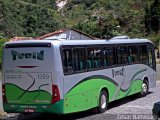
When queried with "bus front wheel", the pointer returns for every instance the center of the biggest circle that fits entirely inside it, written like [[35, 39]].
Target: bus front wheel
[[103, 102], [144, 88]]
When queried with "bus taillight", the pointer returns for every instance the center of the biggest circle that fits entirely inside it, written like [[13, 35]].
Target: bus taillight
[[3, 94], [55, 94]]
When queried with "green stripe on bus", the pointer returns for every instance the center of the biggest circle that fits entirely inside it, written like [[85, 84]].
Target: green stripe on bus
[[30, 97], [140, 71], [135, 87], [86, 95]]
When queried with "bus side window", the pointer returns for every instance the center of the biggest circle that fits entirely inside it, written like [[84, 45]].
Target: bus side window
[[79, 59], [93, 58], [107, 54], [67, 61], [122, 57], [132, 54], [143, 54], [150, 56], [90, 58]]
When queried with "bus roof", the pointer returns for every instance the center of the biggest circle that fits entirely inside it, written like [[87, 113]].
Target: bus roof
[[86, 42], [110, 41]]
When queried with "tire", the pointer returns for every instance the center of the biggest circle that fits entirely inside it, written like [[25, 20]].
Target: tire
[[155, 117], [144, 88], [103, 102]]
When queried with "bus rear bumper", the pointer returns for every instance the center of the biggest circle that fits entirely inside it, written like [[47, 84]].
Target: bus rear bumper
[[37, 108]]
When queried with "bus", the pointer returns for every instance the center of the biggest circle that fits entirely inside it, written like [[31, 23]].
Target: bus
[[66, 76]]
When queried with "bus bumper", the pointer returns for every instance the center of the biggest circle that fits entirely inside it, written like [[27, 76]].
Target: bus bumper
[[37, 108]]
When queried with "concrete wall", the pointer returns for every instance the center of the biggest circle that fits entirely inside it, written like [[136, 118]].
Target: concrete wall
[[73, 35], [70, 35]]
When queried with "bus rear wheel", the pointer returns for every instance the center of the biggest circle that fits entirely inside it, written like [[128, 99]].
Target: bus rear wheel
[[103, 102], [144, 88]]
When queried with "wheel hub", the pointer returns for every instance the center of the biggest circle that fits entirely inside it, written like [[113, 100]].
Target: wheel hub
[[103, 101], [144, 88]]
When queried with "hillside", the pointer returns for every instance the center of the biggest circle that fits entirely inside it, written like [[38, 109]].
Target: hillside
[[100, 18]]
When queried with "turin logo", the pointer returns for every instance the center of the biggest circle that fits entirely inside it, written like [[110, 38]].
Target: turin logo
[[34, 55]]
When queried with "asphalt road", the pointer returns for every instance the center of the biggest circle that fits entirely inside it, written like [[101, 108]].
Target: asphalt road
[[132, 107]]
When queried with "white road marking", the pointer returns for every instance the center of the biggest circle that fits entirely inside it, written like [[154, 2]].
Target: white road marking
[[139, 107]]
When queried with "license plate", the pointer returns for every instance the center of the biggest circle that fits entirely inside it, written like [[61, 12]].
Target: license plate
[[29, 110]]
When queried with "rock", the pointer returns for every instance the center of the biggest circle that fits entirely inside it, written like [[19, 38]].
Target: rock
[[3, 114]]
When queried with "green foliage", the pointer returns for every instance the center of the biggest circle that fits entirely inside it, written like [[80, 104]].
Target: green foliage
[[100, 18], [113, 18], [2, 41], [155, 38], [104, 28], [87, 3], [105, 19], [155, 16], [51, 4], [20, 18]]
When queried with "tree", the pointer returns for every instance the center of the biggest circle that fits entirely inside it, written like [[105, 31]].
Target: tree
[[155, 16], [26, 19], [2, 41]]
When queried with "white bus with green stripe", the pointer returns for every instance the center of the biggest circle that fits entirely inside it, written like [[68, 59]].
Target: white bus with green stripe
[[66, 76]]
